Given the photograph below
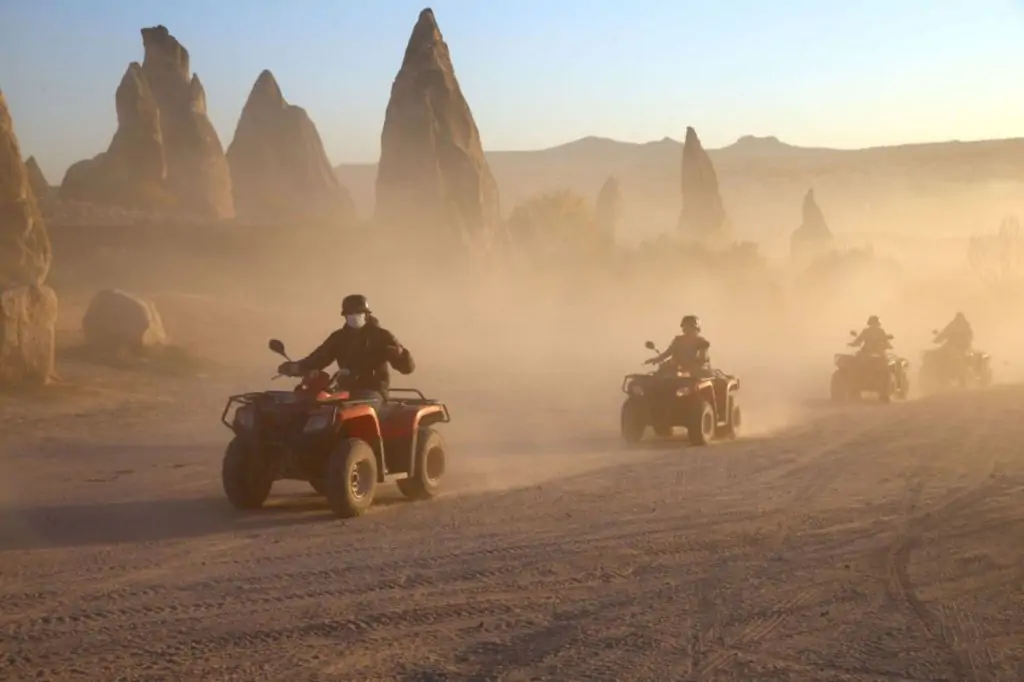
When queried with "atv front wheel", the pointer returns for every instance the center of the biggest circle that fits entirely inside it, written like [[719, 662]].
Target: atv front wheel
[[838, 390], [351, 478], [702, 429], [735, 415], [633, 421], [246, 482], [431, 461]]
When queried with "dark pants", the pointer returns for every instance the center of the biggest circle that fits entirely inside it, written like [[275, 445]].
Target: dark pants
[[375, 398]]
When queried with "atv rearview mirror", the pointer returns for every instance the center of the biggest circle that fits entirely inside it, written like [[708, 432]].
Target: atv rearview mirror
[[276, 346], [649, 345]]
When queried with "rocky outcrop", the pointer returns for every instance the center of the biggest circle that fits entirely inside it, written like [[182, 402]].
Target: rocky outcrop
[[813, 237], [117, 323], [37, 181], [279, 169], [132, 173], [433, 181], [28, 308], [609, 207], [703, 216], [165, 153]]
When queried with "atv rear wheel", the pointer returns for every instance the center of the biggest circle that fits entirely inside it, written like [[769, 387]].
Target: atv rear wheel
[[351, 478], [431, 461], [702, 429], [246, 482], [633, 421], [735, 415]]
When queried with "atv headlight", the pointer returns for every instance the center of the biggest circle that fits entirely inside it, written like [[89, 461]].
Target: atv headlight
[[684, 391], [636, 390], [245, 417], [320, 420]]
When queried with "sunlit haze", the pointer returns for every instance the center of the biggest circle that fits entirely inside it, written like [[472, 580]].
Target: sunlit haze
[[539, 74]]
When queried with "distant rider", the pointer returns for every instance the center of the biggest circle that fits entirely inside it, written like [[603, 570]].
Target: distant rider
[[689, 350], [363, 350], [957, 337], [873, 340]]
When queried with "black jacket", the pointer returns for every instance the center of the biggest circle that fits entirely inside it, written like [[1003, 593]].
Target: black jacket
[[687, 352], [366, 353]]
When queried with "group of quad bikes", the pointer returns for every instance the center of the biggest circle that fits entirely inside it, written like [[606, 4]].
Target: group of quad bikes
[[346, 448], [887, 375]]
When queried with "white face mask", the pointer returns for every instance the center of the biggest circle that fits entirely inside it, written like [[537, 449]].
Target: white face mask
[[356, 321]]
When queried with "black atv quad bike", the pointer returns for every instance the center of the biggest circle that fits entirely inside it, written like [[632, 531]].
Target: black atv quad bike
[[884, 374], [942, 369], [344, 448], [705, 405]]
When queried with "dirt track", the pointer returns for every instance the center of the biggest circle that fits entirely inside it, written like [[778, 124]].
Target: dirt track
[[867, 544]]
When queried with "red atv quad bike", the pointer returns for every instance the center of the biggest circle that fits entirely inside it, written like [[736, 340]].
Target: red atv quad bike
[[344, 448]]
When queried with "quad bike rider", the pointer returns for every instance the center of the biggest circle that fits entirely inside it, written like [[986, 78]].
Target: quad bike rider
[[343, 435], [689, 351], [683, 391], [362, 349], [955, 360], [873, 368]]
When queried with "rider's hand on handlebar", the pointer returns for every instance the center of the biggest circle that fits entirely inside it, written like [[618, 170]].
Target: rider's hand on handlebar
[[651, 361], [289, 369]]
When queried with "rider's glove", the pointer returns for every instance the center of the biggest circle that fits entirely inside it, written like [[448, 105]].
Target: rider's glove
[[289, 369]]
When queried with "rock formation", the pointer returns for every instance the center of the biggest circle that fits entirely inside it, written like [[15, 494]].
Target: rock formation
[[28, 308], [813, 237], [433, 181], [133, 171], [117, 323], [608, 208], [703, 216], [37, 181], [279, 170], [165, 153]]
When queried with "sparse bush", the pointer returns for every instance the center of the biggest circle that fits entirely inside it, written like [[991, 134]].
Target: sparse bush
[[558, 228]]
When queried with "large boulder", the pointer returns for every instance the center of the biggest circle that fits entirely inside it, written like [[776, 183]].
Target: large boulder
[[165, 153], [279, 169], [118, 323], [703, 216], [813, 237], [28, 308], [433, 182]]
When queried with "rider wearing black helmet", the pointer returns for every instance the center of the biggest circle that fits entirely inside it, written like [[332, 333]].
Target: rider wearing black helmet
[[873, 340], [689, 350], [363, 350]]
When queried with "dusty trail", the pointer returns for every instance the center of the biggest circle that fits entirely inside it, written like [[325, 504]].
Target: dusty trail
[[866, 544]]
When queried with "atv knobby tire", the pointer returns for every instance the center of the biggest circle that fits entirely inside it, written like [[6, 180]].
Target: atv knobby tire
[[633, 420], [351, 478], [735, 416], [246, 482], [431, 462], [701, 429]]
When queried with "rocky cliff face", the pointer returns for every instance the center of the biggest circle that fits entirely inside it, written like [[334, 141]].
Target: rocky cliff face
[[37, 181], [813, 237], [703, 216], [279, 169], [433, 181], [28, 308], [165, 153]]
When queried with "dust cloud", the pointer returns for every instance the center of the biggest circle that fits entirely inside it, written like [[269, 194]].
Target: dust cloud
[[530, 359]]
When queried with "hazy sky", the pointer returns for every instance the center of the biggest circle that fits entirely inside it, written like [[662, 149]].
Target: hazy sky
[[538, 73]]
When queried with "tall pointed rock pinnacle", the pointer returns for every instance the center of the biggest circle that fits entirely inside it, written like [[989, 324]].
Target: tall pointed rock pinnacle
[[433, 181], [279, 170], [703, 216]]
